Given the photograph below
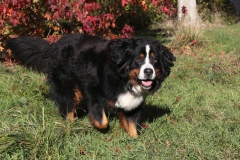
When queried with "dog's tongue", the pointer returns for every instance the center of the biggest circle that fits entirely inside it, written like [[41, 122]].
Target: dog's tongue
[[146, 83]]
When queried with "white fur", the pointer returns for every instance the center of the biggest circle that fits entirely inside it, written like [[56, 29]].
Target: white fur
[[146, 64], [137, 90], [128, 101]]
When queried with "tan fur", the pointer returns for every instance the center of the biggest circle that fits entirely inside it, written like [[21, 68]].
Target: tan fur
[[129, 127], [70, 116], [142, 56], [157, 71], [111, 103], [103, 124], [132, 74], [123, 121], [76, 101], [132, 130], [152, 55]]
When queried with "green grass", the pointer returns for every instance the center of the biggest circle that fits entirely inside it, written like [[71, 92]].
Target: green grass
[[195, 115], [225, 39]]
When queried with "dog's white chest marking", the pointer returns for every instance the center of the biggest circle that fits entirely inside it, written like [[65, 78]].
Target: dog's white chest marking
[[129, 101]]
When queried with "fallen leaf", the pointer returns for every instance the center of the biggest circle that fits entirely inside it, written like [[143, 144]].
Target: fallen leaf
[[116, 134], [107, 139], [144, 125], [194, 42], [115, 150], [168, 117], [177, 99], [200, 60], [81, 150], [187, 47], [229, 152], [168, 144], [174, 122]]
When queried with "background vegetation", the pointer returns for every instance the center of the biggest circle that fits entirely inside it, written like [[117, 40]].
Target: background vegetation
[[195, 115], [215, 10]]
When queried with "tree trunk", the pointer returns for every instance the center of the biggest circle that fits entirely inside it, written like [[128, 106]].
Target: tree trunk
[[190, 16]]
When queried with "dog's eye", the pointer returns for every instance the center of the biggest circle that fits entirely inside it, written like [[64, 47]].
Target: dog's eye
[[154, 59], [139, 59]]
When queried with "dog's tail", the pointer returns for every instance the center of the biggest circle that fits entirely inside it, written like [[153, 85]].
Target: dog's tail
[[31, 52]]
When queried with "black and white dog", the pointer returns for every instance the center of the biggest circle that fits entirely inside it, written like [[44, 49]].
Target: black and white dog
[[116, 73]]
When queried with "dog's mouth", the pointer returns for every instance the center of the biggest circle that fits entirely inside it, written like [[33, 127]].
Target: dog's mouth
[[146, 84]]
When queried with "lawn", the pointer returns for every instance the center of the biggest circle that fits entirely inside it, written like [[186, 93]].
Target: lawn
[[195, 115]]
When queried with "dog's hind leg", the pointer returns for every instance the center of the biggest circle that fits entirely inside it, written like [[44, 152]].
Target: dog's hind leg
[[78, 97], [66, 100]]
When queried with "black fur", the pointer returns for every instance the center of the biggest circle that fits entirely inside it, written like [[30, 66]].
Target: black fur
[[98, 69]]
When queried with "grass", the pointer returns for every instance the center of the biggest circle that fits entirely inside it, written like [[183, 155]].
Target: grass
[[182, 35], [195, 115]]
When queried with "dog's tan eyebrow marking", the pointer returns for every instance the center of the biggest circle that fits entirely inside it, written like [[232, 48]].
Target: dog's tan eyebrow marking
[[152, 54], [141, 55]]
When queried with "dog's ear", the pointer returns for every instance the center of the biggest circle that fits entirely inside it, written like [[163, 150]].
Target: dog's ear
[[166, 59], [122, 50]]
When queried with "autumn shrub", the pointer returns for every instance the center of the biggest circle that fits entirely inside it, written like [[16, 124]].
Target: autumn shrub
[[56, 17], [211, 11], [51, 19], [140, 14]]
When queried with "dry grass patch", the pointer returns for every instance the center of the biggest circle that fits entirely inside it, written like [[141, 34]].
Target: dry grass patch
[[185, 36]]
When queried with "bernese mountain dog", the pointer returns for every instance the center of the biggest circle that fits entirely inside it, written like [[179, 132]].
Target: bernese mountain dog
[[118, 73]]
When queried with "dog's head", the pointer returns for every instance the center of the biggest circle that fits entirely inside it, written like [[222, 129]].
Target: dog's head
[[144, 63]]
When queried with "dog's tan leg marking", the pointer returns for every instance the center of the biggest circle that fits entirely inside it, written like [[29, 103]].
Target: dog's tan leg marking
[[99, 125], [129, 127], [123, 121], [132, 130], [76, 101], [70, 116]]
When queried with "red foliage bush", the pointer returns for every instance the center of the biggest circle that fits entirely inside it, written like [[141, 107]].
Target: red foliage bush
[[51, 19]]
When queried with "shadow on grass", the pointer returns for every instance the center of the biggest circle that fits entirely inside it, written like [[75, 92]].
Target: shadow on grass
[[160, 34], [151, 112]]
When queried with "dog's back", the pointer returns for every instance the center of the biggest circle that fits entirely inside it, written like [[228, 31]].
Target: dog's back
[[37, 53]]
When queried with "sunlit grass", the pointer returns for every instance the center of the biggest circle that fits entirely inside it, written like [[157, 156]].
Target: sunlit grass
[[195, 115]]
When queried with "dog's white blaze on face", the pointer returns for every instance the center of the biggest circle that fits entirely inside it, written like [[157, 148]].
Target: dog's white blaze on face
[[129, 101], [147, 64]]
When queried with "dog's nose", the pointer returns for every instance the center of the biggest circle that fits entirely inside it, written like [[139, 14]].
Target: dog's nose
[[148, 72]]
